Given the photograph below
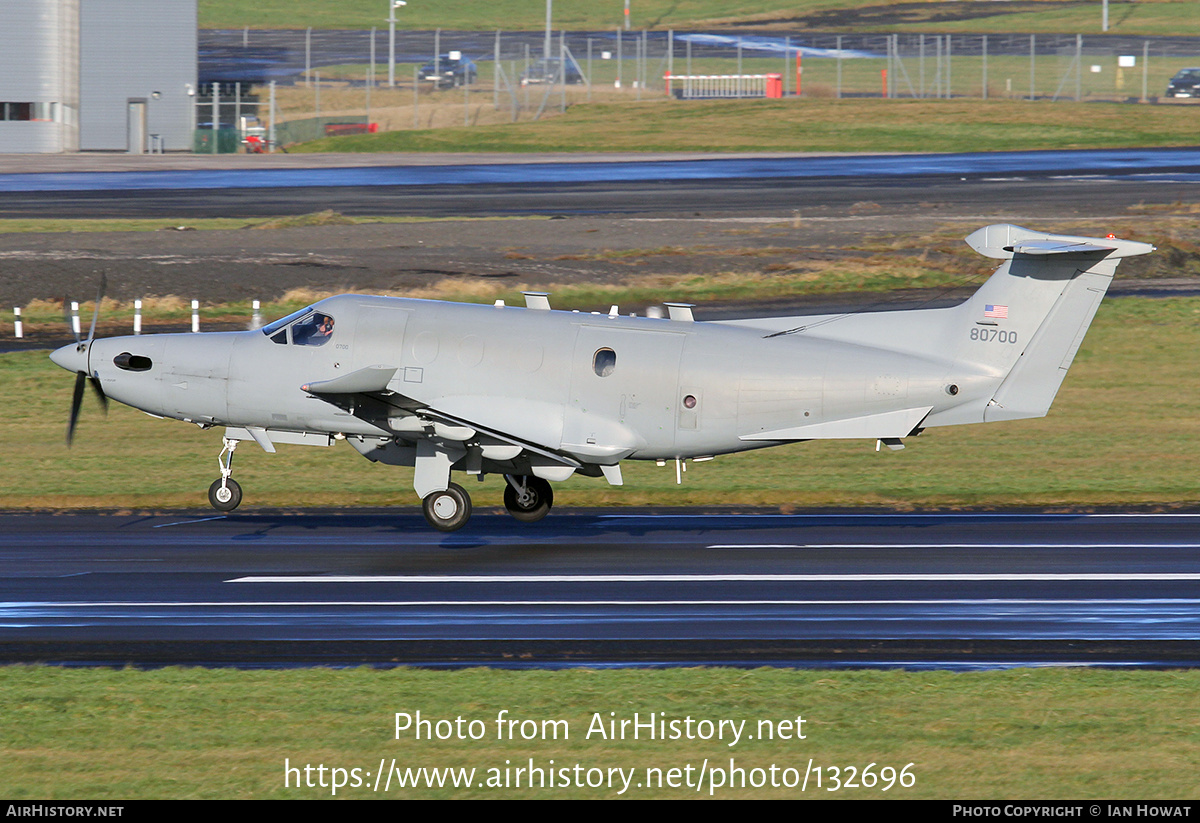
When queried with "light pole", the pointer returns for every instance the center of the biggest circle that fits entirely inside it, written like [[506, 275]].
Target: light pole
[[392, 6]]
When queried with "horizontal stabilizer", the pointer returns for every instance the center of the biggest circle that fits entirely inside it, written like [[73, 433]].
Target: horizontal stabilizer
[[1003, 240], [1056, 247], [891, 424]]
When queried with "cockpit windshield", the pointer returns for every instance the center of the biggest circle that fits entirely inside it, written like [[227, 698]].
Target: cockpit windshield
[[275, 326]]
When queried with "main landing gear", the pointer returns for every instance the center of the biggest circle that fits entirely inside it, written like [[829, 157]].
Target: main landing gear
[[448, 510], [528, 499], [225, 494]]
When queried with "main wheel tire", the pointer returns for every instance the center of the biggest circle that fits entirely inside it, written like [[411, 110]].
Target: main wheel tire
[[541, 498], [225, 499], [448, 510]]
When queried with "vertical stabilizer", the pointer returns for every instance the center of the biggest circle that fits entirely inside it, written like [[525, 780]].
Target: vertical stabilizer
[[1046, 293]]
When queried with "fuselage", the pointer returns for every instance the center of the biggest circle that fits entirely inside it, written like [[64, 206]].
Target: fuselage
[[596, 386]]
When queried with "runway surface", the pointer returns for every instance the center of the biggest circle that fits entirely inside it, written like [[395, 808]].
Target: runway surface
[[744, 185], [607, 588]]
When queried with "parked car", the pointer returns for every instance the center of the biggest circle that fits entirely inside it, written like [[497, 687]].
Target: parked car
[[1185, 84], [546, 69], [447, 72]]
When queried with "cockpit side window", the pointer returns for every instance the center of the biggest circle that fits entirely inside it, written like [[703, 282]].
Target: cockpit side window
[[307, 327], [314, 330]]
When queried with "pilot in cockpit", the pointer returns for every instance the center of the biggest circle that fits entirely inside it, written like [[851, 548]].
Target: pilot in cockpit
[[313, 331]]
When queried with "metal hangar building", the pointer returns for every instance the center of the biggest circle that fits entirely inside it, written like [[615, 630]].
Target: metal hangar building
[[97, 75]]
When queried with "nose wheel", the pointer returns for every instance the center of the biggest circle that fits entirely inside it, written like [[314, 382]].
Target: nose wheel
[[225, 494], [448, 510]]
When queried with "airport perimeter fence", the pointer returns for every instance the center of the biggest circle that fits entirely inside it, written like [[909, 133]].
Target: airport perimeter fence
[[308, 84]]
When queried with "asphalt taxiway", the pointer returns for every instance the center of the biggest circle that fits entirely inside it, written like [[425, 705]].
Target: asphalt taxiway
[[617, 587], [229, 187]]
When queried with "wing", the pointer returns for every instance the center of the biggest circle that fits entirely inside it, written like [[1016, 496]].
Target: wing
[[469, 442]]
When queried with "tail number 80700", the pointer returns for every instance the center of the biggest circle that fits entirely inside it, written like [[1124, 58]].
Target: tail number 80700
[[992, 335]]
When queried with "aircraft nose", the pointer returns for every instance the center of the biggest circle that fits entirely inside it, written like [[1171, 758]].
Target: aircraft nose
[[71, 357]]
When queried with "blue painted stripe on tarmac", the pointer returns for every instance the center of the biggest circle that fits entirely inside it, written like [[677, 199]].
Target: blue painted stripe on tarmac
[[1108, 162]]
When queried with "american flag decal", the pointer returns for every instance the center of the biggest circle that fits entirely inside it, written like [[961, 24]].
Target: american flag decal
[[999, 312]]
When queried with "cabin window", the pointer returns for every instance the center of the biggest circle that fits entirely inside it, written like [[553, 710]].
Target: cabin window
[[604, 361]]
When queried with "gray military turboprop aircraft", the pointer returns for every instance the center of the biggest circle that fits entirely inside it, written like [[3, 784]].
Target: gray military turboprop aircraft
[[537, 395]]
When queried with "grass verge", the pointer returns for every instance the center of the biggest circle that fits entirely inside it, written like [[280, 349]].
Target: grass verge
[[38, 225], [176, 733], [1163, 17], [805, 125]]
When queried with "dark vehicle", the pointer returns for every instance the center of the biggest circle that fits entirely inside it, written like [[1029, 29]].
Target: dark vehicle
[[546, 70], [447, 72], [1185, 84]]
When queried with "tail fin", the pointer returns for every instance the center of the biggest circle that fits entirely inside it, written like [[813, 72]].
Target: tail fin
[[1046, 293], [1012, 341]]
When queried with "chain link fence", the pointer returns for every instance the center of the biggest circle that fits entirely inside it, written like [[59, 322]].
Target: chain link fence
[[279, 88]]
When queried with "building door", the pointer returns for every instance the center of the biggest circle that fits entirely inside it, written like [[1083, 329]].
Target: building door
[[135, 125]]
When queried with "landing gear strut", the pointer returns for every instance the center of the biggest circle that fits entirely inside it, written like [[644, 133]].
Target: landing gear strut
[[225, 494], [448, 510], [528, 499]]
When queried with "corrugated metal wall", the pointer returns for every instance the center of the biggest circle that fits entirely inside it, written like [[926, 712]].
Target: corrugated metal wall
[[39, 65], [143, 50], [86, 60]]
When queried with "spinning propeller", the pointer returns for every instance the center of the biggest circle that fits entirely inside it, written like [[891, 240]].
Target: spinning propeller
[[83, 350]]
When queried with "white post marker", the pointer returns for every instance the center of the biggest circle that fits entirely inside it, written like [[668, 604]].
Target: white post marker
[[256, 319], [137, 316], [195, 315], [75, 318], [18, 332]]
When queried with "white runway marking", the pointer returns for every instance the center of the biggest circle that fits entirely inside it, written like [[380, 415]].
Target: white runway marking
[[706, 578]]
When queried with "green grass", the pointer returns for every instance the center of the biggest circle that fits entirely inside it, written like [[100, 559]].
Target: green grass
[[1038, 734], [1125, 430], [807, 125], [1148, 18], [38, 225], [513, 15]]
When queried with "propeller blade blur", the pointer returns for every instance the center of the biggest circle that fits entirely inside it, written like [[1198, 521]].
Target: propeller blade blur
[[76, 402]]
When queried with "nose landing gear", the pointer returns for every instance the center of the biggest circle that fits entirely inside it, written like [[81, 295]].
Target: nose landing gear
[[225, 494]]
